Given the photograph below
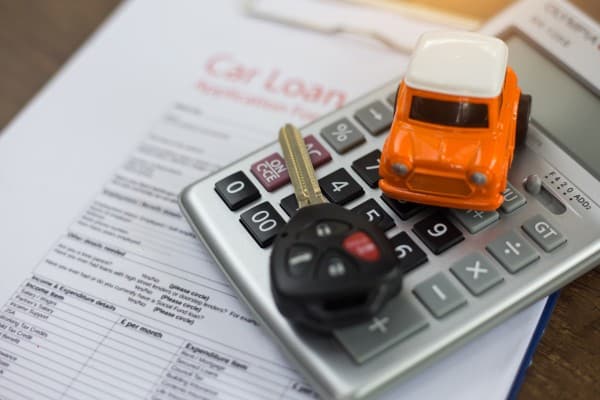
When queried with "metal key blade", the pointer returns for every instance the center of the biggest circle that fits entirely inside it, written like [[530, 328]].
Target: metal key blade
[[302, 173]]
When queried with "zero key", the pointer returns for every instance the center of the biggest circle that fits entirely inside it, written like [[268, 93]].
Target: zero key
[[236, 190]]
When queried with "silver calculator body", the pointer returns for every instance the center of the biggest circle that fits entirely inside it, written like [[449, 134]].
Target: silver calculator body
[[536, 243]]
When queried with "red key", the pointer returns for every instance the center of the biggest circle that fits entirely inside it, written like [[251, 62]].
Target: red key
[[361, 246], [316, 151], [272, 172]]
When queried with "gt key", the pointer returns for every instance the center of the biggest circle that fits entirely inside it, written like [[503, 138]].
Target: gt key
[[330, 267]]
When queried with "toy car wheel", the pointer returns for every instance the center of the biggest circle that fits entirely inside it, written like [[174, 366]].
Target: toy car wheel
[[523, 114]]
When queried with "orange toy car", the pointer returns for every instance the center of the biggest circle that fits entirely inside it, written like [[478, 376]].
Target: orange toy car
[[458, 115]]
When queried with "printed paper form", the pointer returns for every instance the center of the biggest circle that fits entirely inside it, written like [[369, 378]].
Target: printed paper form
[[105, 292]]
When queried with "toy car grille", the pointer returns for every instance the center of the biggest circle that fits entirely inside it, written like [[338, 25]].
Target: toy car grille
[[423, 182]]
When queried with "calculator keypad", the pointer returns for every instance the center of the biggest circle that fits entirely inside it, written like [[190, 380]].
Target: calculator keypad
[[491, 263]]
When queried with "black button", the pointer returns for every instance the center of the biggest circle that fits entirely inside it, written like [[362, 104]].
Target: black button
[[300, 260], [340, 188], [324, 228], [376, 117], [367, 167], [263, 223], [289, 205], [236, 190], [375, 214], [407, 251], [404, 209], [438, 233], [334, 266]]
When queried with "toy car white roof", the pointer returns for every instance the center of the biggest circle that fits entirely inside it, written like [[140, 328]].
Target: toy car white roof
[[458, 63]]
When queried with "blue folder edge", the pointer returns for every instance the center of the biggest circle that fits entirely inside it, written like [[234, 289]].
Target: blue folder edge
[[533, 343]]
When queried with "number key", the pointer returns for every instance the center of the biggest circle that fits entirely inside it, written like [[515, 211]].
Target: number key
[[367, 167], [375, 214], [236, 190], [262, 222], [340, 188], [407, 251], [438, 233]]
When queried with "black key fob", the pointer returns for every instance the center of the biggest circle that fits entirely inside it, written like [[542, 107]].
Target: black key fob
[[331, 268]]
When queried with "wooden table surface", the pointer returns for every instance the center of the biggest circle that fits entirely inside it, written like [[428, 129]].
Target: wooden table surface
[[37, 37]]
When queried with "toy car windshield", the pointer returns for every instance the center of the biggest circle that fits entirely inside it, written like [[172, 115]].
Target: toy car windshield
[[450, 113]]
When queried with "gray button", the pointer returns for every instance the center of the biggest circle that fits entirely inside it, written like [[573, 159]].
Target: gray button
[[342, 135], [376, 117], [474, 220], [512, 251], [477, 273], [395, 322], [439, 295], [513, 199], [543, 233]]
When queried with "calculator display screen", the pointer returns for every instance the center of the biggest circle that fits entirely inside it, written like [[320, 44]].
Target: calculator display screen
[[565, 109]]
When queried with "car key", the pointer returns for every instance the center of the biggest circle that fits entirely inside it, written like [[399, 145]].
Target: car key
[[330, 267]]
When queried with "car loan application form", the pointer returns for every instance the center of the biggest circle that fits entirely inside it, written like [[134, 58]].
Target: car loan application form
[[105, 292]]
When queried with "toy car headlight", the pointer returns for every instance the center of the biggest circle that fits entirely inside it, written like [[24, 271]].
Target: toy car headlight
[[479, 178], [401, 168]]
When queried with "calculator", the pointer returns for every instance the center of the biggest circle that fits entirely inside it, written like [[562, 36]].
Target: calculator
[[465, 270]]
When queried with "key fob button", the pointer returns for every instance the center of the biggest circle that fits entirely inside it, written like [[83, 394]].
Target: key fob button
[[334, 266], [361, 246], [323, 229], [300, 260]]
